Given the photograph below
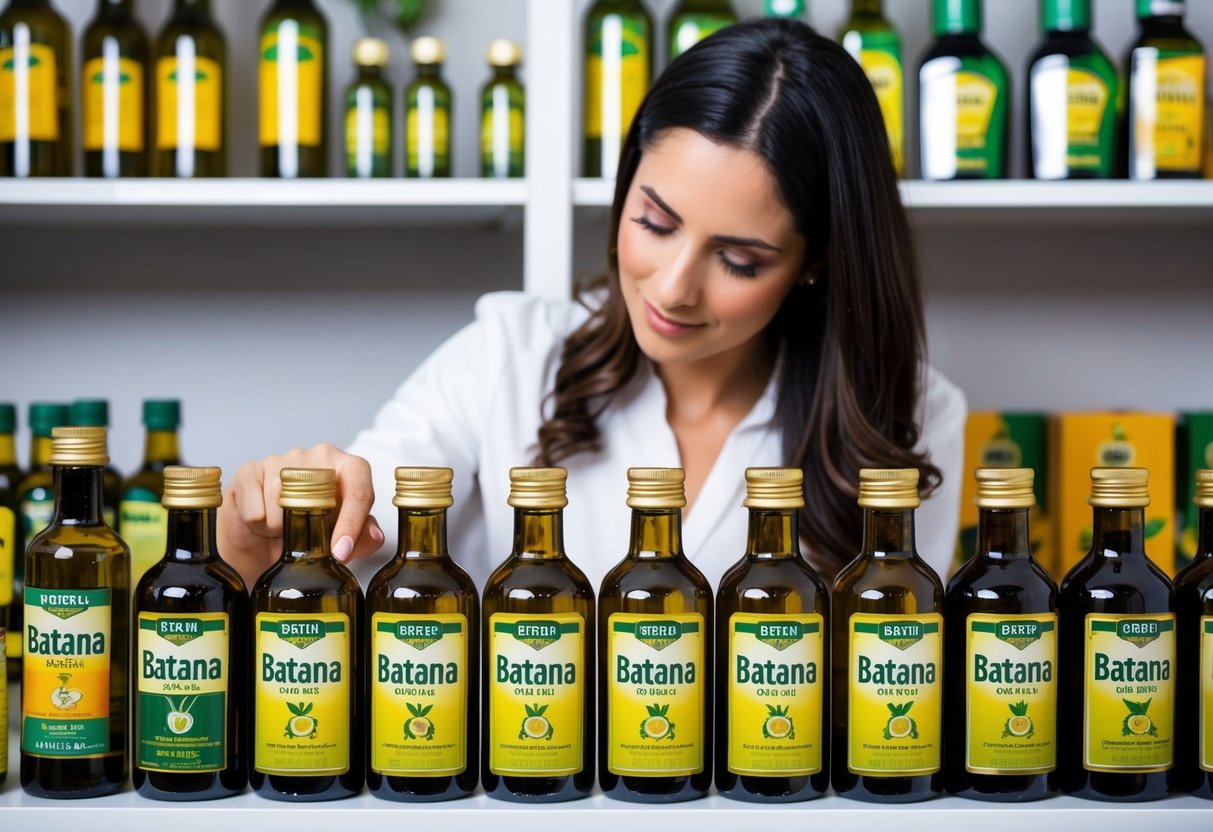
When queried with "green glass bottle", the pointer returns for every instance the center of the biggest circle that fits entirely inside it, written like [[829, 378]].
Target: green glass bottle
[[35, 105], [427, 122], [11, 548], [964, 99], [618, 71], [1165, 119], [75, 680], [140, 513], [772, 662], [795, 9], [694, 20], [503, 114], [114, 92], [1193, 770], [293, 61], [1073, 94], [95, 413], [873, 42], [190, 121], [368, 113]]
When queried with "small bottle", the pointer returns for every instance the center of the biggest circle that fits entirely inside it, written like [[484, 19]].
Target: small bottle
[[191, 100], [1193, 770], [964, 99], [10, 532], [293, 69], [75, 677], [35, 105], [503, 114], [1000, 642], [655, 682], [308, 682], [539, 655], [113, 92], [1073, 92], [191, 672], [887, 653], [873, 42], [694, 20], [425, 638], [618, 70], [95, 413], [368, 113], [771, 618], [1117, 635], [427, 101], [142, 518]]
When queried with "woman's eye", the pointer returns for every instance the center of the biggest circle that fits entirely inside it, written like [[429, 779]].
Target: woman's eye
[[738, 269], [647, 224]]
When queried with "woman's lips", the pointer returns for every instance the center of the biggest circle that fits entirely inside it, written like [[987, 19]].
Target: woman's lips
[[666, 326]]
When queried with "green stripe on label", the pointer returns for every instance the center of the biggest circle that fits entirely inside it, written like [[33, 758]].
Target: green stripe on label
[[207, 626], [1209, 627], [992, 626], [1110, 626], [454, 627], [510, 629], [82, 598], [927, 627], [276, 626], [752, 628], [66, 737], [630, 626]]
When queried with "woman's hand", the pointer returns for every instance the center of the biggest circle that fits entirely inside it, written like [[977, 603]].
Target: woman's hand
[[250, 521]]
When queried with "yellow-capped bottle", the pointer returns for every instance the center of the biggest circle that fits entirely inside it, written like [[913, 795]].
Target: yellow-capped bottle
[[888, 653], [75, 676], [95, 413], [113, 92], [368, 113], [143, 520], [618, 70], [1193, 770], [655, 683], [191, 670], [191, 96], [539, 655], [293, 61], [425, 647], [771, 635], [503, 114], [427, 114], [1000, 642], [307, 655], [10, 531], [1117, 701], [35, 91]]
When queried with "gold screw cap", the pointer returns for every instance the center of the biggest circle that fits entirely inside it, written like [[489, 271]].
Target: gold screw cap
[[197, 488], [774, 488], [79, 447], [426, 51], [538, 488], [308, 488], [504, 53], [1204, 488], [421, 487], [370, 52], [1005, 488], [888, 488], [656, 488], [1120, 488]]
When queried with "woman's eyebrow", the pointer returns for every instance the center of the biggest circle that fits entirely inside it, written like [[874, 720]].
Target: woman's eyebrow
[[744, 242], [652, 194]]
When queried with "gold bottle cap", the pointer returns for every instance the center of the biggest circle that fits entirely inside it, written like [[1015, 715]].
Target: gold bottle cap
[[774, 488], [370, 52], [888, 488], [79, 447], [1204, 488], [427, 51], [1120, 488], [421, 487], [196, 488], [538, 488], [1005, 488], [656, 488], [504, 52], [308, 488]]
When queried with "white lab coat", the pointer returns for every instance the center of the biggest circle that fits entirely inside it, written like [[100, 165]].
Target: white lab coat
[[474, 405]]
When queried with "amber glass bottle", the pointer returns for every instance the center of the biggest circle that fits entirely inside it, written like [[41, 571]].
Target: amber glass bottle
[[191, 96], [35, 105], [1193, 770], [294, 90], [114, 87]]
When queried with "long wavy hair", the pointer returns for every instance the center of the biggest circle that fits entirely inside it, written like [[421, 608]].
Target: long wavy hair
[[853, 341]]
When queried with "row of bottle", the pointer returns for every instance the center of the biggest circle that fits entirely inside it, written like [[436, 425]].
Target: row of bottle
[[177, 124], [1080, 688]]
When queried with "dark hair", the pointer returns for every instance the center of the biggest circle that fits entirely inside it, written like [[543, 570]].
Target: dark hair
[[854, 345]]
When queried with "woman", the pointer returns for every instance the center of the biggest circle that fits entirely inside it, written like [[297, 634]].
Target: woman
[[762, 306]]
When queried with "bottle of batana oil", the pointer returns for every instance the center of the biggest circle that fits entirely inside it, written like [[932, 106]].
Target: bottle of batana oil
[[425, 639], [307, 657], [539, 655], [191, 104], [654, 624], [618, 70], [427, 114], [35, 104], [191, 662], [293, 61], [772, 665], [874, 43], [141, 517], [1117, 695], [1193, 770], [113, 92], [75, 677], [10, 531], [887, 653], [694, 20], [95, 413], [503, 114], [368, 113], [1000, 642]]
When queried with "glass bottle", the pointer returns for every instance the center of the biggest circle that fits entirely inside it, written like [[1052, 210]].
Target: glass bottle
[[503, 114], [293, 61], [191, 95], [427, 101], [873, 42], [142, 518], [694, 20], [10, 535], [35, 105], [1193, 770], [95, 413], [113, 92], [368, 113], [618, 71]]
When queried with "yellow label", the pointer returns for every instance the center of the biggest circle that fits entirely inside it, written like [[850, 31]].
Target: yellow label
[[895, 701], [885, 74], [177, 86], [292, 85], [27, 80], [975, 97], [1205, 697], [776, 689], [371, 131], [8, 554], [427, 134], [655, 693], [302, 694], [1128, 693], [616, 78], [1011, 694], [419, 694], [1179, 128], [144, 527], [536, 666], [1087, 101], [502, 129], [12, 645], [113, 104]]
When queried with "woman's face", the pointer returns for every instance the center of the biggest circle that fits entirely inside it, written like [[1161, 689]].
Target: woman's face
[[707, 250]]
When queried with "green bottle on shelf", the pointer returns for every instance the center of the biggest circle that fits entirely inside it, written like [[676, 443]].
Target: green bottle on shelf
[[796, 9], [95, 413], [368, 114], [11, 549], [293, 61], [140, 514], [1193, 770], [874, 43], [1073, 94], [35, 104], [114, 92], [694, 20], [964, 99], [1165, 122], [618, 71], [191, 103], [427, 119], [503, 114]]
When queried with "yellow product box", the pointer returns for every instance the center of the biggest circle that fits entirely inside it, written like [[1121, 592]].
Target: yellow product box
[[1082, 441]]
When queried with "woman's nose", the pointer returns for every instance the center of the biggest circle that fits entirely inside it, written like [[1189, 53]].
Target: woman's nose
[[680, 282]]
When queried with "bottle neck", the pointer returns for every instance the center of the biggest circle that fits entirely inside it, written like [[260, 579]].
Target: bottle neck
[[1002, 534], [191, 535], [503, 74], [306, 533], [369, 73], [40, 449], [161, 449], [422, 534], [867, 8], [773, 535], [197, 6], [1204, 547], [428, 70], [8, 450], [656, 534], [115, 9], [1119, 532], [888, 533], [538, 533], [78, 496]]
